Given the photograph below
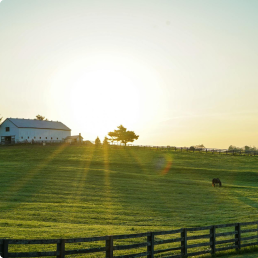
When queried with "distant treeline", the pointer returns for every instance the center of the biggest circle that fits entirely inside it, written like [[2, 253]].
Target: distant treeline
[[230, 148], [245, 148]]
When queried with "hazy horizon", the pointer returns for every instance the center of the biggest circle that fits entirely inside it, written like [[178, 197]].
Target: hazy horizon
[[177, 73]]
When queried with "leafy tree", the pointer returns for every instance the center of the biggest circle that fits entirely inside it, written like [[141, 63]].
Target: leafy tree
[[231, 147], [105, 142], [234, 148], [41, 118], [199, 146], [247, 148], [112, 136], [122, 135], [97, 141]]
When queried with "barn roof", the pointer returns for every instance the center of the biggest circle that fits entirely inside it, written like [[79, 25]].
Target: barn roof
[[34, 123]]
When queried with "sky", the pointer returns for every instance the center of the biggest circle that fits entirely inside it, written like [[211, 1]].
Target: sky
[[178, 73]]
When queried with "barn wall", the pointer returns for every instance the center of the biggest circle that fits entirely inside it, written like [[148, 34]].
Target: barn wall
[[13, 129], [45, 135]]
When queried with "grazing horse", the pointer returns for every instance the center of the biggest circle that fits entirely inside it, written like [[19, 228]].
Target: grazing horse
[[216, 181]]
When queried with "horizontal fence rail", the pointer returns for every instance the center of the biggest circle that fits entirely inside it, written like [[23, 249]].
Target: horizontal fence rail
[[198, 150], [174, 243], [235, 152]]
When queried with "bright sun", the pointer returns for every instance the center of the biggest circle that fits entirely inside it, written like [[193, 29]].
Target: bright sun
[[107, 93], [100, 95]]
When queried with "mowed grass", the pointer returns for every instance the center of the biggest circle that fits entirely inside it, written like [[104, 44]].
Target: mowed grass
[[78, 191]]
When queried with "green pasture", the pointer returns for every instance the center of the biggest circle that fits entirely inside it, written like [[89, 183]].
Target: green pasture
[[79, 191]]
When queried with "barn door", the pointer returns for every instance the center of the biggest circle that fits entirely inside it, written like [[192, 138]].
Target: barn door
[[13, 139], [2, 140]]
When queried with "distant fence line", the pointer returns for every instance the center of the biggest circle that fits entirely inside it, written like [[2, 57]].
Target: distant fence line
[[156, 147], [196, 150], [176, 243]]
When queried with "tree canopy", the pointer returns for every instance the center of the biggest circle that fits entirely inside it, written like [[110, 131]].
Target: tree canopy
[[105, 141], [197, 147], [246, 148], [122, 135], [97, 141], [39, 117]]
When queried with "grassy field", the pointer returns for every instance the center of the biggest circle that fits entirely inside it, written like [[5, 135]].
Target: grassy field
[[77, 191]]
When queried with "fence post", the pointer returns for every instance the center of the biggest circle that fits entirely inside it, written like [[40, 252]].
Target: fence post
[[150, 248], [213, 239], [184, 242], [238, 236], [109, 247], [60, 249], [5, 248]]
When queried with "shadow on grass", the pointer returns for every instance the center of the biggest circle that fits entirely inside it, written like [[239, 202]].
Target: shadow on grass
[[25, 187]]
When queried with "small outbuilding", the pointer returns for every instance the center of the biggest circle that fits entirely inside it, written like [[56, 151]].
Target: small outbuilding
[[74, 139], [15, 130]]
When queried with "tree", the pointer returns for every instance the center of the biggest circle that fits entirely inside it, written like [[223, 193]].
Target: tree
[[199, 146], [122, 135], [105, 142], [234, 148], [97, 141], [112, 136], [247, 148], [41, 118]]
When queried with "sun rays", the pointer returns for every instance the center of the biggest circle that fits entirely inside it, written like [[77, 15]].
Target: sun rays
[[108, 200], [81, 174], [29, 175]]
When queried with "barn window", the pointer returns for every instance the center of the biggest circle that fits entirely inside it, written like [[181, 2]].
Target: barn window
[[57, 138], [34, 137], [28, 137], [22, 137], [46, 137], [7, 129], [39, 137], [51, 138]]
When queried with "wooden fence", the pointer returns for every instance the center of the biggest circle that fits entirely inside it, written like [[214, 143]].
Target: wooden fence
[[194, 150], [174, 243], [240, 152]]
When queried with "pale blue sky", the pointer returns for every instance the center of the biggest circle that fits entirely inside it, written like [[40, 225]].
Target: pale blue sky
[[177, 72]]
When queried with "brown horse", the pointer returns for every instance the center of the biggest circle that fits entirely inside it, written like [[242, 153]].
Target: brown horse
[[216, 181]]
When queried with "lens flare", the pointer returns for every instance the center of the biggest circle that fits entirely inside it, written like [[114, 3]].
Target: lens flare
[[164, 164]]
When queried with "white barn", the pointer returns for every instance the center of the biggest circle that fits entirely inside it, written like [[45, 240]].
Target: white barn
[[14, 130]]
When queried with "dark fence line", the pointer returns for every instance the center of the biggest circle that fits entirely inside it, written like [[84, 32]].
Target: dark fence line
[[193, 150], [155, 147], [178, 243]]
